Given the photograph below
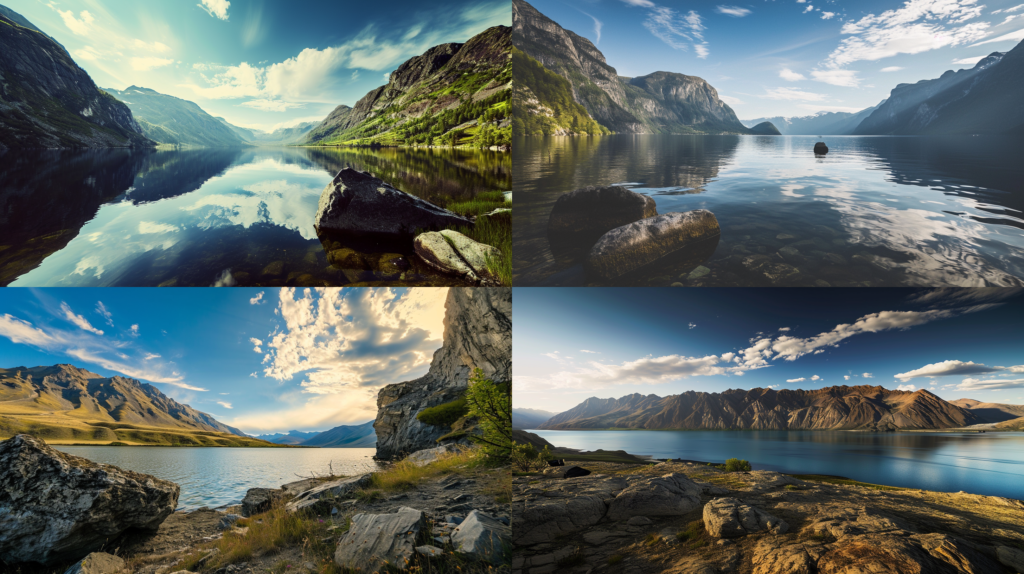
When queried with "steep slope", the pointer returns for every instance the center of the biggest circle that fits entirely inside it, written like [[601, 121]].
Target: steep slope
[[345, 436], [662, 102], [543, 104], [765, 129], [529, 418], [983, 99], [477, 334], [830, 408], [990, 412], [65, 401], [1016, 424], [47, 101], [452, 93], [825, 123], [170, 120]]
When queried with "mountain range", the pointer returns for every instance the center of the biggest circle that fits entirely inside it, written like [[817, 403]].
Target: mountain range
[[830, 408], [65, 403], [350, 436], [824, 123], [170, 120], [529, 418]]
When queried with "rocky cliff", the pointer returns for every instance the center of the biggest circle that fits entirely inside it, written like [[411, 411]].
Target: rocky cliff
[[830, 408], [47, 101], [477, 334], [662, 102]]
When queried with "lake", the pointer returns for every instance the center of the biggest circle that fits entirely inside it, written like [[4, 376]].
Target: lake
[[204, 217], [217, 477], [874, 211], [990, 464]]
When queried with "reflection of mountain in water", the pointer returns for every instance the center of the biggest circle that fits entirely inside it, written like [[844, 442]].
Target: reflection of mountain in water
[[167, 174], [47, 196]]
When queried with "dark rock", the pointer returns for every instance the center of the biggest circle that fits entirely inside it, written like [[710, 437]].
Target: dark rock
[[584, 215], [484, 538], [820, 148], [258, 500], [556, 462], [356, 202], [333, 490], [574, 471], [228, 521], [56, 506]]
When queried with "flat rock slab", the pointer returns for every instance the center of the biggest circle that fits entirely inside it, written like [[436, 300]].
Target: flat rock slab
[[376, 541], [483, 537], [334, 489], [586, 214], [455, 254], [730, 518], [58, 507], [669, 495], [356, 202]]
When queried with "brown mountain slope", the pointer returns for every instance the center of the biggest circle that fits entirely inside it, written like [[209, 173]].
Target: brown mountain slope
[[1016, 424], [830, 408], [990, 412]]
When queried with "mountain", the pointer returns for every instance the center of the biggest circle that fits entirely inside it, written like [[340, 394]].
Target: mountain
[[661, 102], [765, 129], [280, 136], [529, 418], [830, 408], [452, 93], [1016, 424], [170, 120], [824, 123], [69, 404], [47, 101], [543, 102], [990, 412], [348, 436], [982, 100], [290, 437]]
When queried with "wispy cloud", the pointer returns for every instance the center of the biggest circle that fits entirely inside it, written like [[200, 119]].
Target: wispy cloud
[[216, 8], [106, 314], [733, 11], [78, 320], [677, 30], [224, 404], [791, 76], [793, 94], [257, 300]]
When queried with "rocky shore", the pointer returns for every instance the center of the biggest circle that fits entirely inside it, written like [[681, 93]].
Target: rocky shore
[[681, 518]]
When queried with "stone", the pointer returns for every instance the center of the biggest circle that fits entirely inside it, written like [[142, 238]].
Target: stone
[[730, 518], [259, 500], [566, 471], [508, 197], [544, 518], [57, 507], [791, 559], [556, 462], [97, 563], [820, 148], [300, 486], [356, 202], [586, 214], [430, 551], [698, 273], [499, 213], [668, 495], [375, 541], [630, 247], [1011, 558], [335, 489], [639, 521], [455, 254], [227, 521], [484, 538], [429, 455]]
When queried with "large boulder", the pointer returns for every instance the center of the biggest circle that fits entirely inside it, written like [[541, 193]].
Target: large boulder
[[730, 518], [57, 507], [623, 250], [586, 214], [375, 541], [97, 563], [1012, 558], [317, 496], [429, 455], [258, 500], [669, 495], [357, 202], [484, 538], [455, 254]]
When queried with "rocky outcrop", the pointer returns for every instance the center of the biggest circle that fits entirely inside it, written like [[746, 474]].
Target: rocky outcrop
[[358, 203], [56, 507], [840, 407], [376, 541], [730, 518], [316, 496], [47, 101], [477, 334], [429, 455], [584, 215], [259, 500], [455, 254], [484, 538], [98, 563], [669, 495]]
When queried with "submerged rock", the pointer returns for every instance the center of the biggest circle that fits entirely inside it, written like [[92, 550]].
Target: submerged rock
[[55, 506], [820, 148], [630, 247], [453, 253], [483, 537], [375, 541], [730, 518], [357, 202], [586, 214]]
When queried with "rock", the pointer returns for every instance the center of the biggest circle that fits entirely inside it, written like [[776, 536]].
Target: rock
[[639, 521], [258, 500], [669, 495], [430, 551], [392, 264], [57, 507], [455, 254], [566, 471], [97, 563], [508, 197], [586, 214], [556, 462], [698, 273], [630, 247], [497, 214], [300, 486], [483, 538], [357, 202], [334, 489], [730, 518], [429, 455], [1011, 558], [375, 541], [227, 521], [820, 148]]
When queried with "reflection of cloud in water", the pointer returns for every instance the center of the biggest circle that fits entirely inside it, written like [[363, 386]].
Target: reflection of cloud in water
[[289, 205], [150, 227]]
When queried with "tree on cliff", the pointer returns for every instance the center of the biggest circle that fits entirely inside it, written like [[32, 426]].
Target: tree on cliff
[[491, 404]]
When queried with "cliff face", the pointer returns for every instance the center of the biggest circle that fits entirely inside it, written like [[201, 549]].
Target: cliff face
[[830, 408], [47, 101], [477, 334]]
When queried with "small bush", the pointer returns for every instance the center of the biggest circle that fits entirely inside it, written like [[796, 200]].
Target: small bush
[[444, 415], [491, 404], [737, 465], [652, 539], [691, 532]]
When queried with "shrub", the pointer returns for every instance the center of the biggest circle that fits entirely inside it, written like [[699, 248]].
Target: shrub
[[444, 415], [691, 532], [737, 465], [491, 404]]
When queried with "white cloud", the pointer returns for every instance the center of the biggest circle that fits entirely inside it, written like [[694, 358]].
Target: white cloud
[[906, 388], [150, 356], [843, 78], [892, 69], [598, 25], [79, 26], [867, 375], [647, 370], [815, 378], [216, 8], [87, 53], [732, 11], [846, 377], [102, 310], [679, 31], [586, 351], [257, 300], [257, 345], [730, 100], [800, 380], [1015, 36], [134, 330], [224, 404], [150, 227], [253, 375], [349, 406], [773, 386], [78, 320], [270, 105], [827, 15], [141, 373], [791, 76], [947, 368], [693, 326], [19, 331], [1016, 8], [990, 385], [968, 61], [784, 329], [793, 94], [641, 3], [151, 46], [140, 64], [808, 9], [702, 50]]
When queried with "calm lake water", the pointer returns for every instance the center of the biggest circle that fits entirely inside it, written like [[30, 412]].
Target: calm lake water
[[876, 211], [990, 464], [210, 216], [221, 476]]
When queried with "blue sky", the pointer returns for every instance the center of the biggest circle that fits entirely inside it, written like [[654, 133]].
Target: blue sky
[[264, 360], [572, 344], [257, 63], [794, 57]]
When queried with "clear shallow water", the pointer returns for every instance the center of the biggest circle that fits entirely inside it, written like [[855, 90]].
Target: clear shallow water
[[990, 464], [217, 477], [201, 217], [876, 211]]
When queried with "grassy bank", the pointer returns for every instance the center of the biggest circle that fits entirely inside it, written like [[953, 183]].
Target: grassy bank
[[60, 429], [493, 231]]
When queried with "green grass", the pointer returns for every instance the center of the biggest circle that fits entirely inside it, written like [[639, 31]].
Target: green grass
[[691, 532], [737, 465], [843, 481], [443, 415]]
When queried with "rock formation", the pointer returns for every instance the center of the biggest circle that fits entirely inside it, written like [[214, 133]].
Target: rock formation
[[455, 254], [477, 334], [56, 507], [585, 214], [376, 541]]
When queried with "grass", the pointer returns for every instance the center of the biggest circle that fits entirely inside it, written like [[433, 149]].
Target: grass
[[493, 231], [652, 539], [691, 532], [404, 475], [843, 481], [443, 415]]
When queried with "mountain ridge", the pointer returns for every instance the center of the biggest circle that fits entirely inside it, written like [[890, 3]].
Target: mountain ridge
[[172, 120]]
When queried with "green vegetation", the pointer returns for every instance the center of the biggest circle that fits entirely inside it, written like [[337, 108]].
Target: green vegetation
[[691, 532], [495, 231], [543, 102], [526, 458], [737, 465], [444, 415], [491, 404]]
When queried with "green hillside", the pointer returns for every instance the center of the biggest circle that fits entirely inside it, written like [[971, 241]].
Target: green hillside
[[170, 120], [542, 102]]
